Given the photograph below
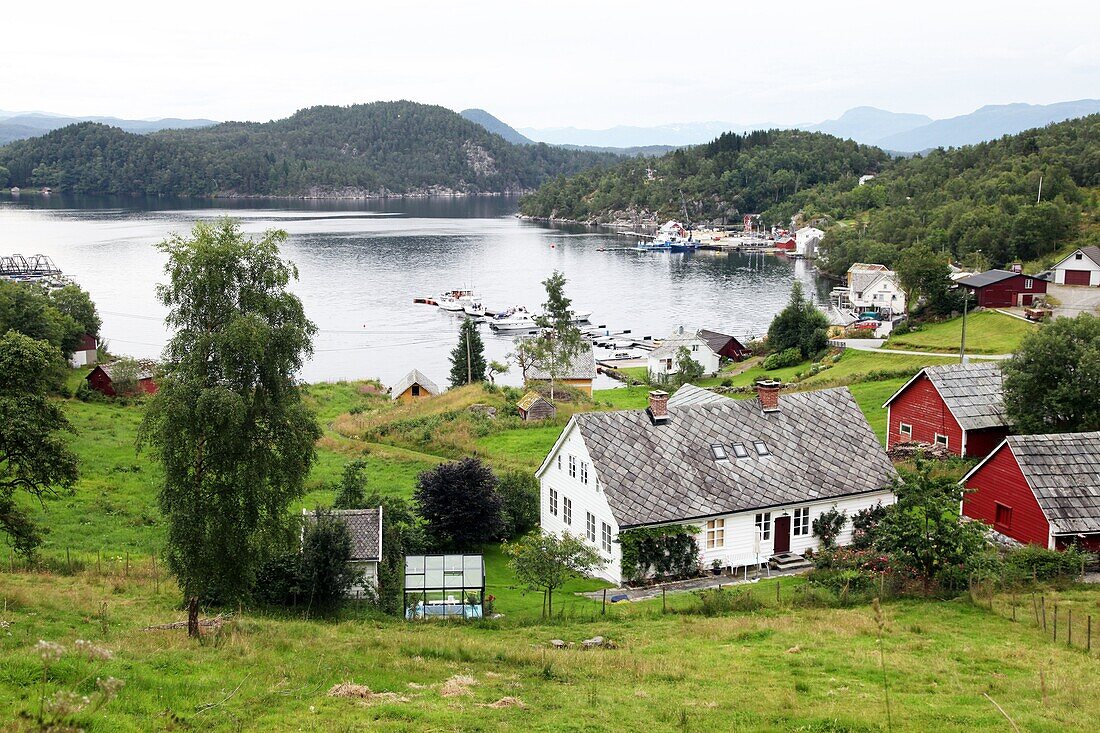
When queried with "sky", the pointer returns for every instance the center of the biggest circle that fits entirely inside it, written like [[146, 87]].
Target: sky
[[591, 64]]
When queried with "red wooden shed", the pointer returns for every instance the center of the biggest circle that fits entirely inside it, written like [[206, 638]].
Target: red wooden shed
[[1003, 289], [724, 345], [100, 378], [1040, 490], [957, 406]]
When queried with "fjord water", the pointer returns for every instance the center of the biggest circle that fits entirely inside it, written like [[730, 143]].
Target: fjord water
[[361, 263]]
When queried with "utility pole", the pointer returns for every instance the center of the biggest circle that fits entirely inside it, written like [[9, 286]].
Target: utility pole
[[469, 364], [962, 347]]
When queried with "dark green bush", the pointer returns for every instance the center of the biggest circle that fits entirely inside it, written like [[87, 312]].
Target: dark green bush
[[718, 601], [1038, 563]]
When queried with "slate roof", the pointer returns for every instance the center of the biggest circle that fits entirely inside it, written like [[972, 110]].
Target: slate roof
[[974, 393], [862, 276], [145, 368], [413, 377], [681, 337], [689, 395], [716, 340], [1064, 474], [583, 366], [365, 526], [989, 277], [820, 447], [1092, 252]]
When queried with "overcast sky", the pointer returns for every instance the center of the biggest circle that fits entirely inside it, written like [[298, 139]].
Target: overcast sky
[[587, 64]]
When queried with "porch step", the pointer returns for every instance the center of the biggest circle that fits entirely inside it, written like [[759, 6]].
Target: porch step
[[788, 561]]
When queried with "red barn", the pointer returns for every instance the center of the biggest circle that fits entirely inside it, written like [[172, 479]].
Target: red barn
[[726, 346], [958, 406], [1040, 489], [1003, 289], [786, 243], [100, 378]]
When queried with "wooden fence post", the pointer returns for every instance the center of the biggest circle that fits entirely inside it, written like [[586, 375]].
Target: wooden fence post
[[1069, 629], [603, 610], [777, 581], [68, 561], [127, 571], [1055, 622], [664, 603], [1088, 643], [1043, 607]]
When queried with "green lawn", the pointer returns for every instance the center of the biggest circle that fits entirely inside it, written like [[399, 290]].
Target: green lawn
[[987, 332], [526, 446], [870, 396]]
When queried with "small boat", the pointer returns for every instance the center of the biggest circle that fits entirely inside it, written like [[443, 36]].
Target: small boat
[[513, 319], [671, 237], [455, 300], [580, 316], [474, 308]]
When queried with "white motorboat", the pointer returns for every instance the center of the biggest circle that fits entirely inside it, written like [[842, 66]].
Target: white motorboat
[[455, 300], [580, 316], [513, 319], [474, 308]]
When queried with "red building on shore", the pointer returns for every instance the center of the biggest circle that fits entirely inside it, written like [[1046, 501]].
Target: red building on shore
[[1040, 490], [957, 406], [1003, 289]]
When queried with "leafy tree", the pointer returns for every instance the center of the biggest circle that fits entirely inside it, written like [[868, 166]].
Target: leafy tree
[[800, 325], [75, 303], [28, 309], [402, 534], [1052, 383], [124, 377], [326, 575], [494, 368], [923, 528], [33, 456], [228, 423], [519, 496], [468, 356], [687, 369], [546, 562], [459, 504], [925, 274], [352, 489], [560, 341]]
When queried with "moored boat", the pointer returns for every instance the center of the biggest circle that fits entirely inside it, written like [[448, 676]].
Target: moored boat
[[455, 300], [514, 319]]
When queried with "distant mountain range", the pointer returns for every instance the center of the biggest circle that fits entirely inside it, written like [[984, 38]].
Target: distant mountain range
[[492, 124], [894, 131], [21, 125]]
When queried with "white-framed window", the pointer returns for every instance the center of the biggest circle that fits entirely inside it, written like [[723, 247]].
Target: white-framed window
[[941, 440], [567, 510], [584, 472], [572, 466], [590, 526], [1028, 282], [800, 525], [740, 450], [905, 429], [1078, 256], [718, 451], [761, 448], [695, 347], [553, 502], [606, 536], [559, 461], [764, 525], [716, 533]]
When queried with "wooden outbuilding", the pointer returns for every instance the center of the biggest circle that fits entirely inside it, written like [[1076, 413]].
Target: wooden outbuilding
[[1040, 490], [957, 406], [102, 378], [413, 386], [1080, 267], [726, 346], [1003, 289], [533, 406]]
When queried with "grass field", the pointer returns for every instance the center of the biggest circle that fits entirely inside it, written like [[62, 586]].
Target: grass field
[[782, 666], [987, 332]]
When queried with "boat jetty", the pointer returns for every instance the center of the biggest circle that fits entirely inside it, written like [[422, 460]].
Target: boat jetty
[[38, 269]]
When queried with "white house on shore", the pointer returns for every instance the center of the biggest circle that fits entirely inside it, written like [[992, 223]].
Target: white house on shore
[[752, 475], [663, 360], [874, 287], [807, 240]]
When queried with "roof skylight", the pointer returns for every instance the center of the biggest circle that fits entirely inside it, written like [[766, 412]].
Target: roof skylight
[[761, 448], [718, 451], [740, 451]]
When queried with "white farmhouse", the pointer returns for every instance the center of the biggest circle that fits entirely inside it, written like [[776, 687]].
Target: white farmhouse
[[875, 287], [1081, 267], [662, 361], [752, 475]]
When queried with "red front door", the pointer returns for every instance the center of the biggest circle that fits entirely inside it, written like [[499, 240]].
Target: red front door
[[782, 534], [1077, 277]]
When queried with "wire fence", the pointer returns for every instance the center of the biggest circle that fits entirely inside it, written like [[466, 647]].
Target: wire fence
[[1064, 620]]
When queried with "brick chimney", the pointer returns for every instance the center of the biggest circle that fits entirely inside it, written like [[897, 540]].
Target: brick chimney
[[658, 407], [767, 391]]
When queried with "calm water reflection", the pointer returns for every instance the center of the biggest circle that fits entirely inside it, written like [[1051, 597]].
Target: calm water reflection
[[362, 263]]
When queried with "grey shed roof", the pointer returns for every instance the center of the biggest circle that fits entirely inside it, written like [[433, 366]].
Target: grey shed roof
[[145, 368], [1064, 474], [680, 337], [974, 393], [583, 366], [1091, 251], [989, 277], [413, 377], [717, 340], [820, 446], [365, 527], [689, 395]]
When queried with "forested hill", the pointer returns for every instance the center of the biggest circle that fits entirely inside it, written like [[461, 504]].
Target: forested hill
[[719, 181], [979, 204], [370, 149]]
